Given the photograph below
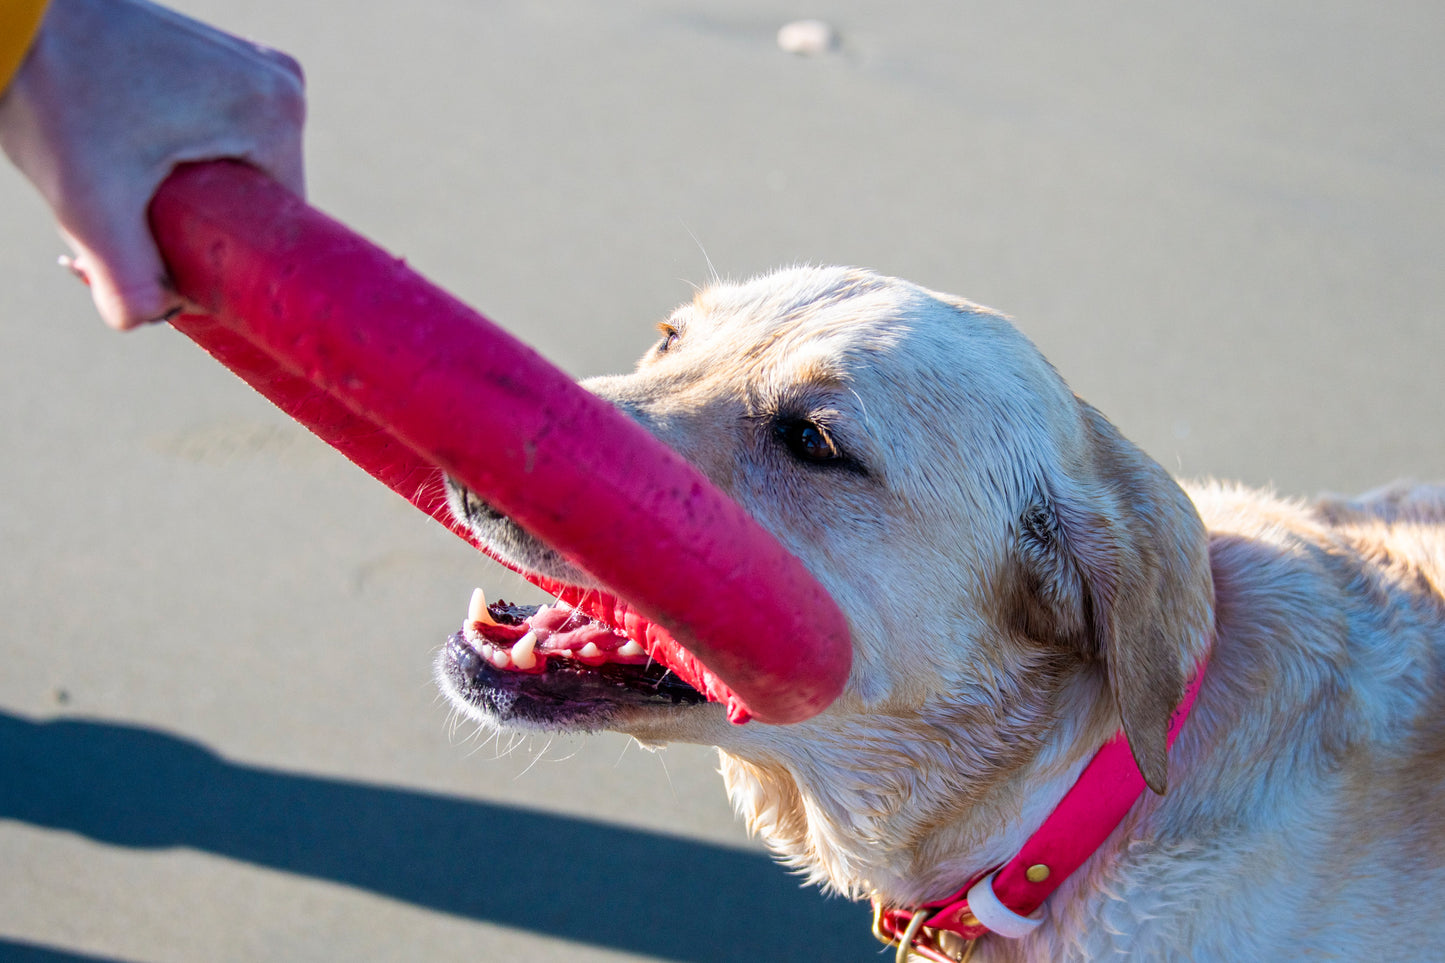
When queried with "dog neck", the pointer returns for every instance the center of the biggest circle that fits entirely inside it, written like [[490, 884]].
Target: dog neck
[[1063, 807], [876, 811], [1003, 900]]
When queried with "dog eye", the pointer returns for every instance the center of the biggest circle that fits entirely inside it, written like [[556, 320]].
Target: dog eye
[[670, 337], [807, 441]]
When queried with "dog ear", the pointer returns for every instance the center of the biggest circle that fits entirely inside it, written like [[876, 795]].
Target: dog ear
[[1116, 568]]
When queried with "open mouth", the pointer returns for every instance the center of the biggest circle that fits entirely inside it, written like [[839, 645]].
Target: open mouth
[[554, 666], [729, 617]]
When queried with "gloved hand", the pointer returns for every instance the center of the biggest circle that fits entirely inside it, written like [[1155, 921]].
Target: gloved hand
[[112, 95]]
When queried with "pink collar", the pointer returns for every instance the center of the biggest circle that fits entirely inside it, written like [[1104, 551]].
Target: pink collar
[[1001, 901]]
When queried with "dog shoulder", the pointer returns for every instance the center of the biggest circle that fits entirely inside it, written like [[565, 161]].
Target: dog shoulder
[[1326, 707]]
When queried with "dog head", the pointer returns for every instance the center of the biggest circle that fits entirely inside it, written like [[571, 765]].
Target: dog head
[[1019, 579]]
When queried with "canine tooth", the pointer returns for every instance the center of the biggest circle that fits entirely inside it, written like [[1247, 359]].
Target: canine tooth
[[477, 610], [631, 649], [524, 654], [589, 651]]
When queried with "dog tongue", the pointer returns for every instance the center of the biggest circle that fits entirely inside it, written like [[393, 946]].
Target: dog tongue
[[405, 380]]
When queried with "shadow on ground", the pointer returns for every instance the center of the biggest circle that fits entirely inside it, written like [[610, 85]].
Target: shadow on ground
[[17, 951], [130, 786]]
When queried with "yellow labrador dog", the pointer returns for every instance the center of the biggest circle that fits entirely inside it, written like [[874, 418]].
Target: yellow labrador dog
[[1021, 583]]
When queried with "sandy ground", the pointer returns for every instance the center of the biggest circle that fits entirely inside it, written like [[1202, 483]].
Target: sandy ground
[[218, 737]]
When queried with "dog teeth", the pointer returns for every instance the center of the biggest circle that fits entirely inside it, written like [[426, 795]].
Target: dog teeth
[[477, 610], [524, 653], [532, 650]]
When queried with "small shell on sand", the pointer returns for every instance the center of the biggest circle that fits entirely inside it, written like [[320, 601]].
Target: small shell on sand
[[807, 38]]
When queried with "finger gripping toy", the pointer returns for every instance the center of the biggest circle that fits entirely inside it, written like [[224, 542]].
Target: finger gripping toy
[[408, 382]]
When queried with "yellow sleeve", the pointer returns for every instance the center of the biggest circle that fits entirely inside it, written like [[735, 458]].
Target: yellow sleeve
[[19, 19]]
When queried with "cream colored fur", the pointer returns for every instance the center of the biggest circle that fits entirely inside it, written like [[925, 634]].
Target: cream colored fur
[[1019, 580]]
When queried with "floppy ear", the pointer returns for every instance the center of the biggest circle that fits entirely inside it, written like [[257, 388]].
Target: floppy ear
[[1116, 566]]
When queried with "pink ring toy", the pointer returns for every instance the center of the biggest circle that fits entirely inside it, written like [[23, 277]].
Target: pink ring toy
[[407, 382]]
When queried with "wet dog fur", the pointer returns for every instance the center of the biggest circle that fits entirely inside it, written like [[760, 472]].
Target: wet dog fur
[[1020, 582]]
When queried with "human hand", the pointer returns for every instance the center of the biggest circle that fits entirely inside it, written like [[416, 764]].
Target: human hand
[[112, 96]]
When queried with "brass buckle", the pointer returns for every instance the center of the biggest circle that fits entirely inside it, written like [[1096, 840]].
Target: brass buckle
[[916, 939], [878, 932]]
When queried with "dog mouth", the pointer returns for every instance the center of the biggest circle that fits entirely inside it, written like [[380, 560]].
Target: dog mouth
[[554, 666], [701, 588]]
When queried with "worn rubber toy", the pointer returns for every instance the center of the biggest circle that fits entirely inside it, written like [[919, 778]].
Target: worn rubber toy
[[408, 382]]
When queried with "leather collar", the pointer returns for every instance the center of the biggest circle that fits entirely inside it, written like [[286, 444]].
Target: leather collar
[[1002, 900]]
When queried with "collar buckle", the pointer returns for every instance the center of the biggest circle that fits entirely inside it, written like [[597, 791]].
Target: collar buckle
[[905, 930]]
